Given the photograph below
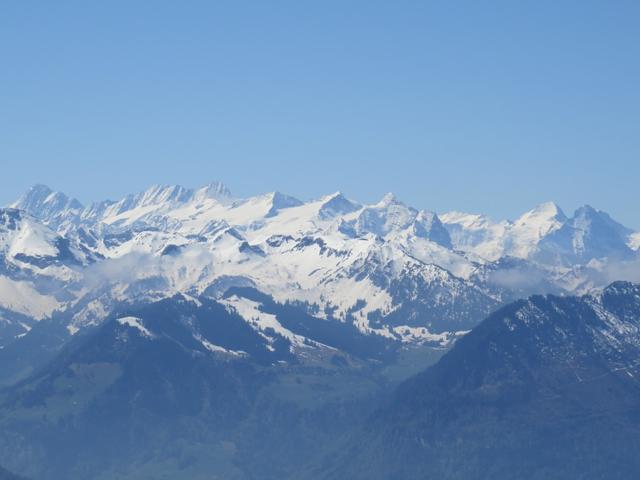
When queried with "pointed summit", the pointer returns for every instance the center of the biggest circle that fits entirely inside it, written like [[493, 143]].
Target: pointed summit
[[158, 194], [335, 205], [587, 211], [428, 225], [546, 210], [215, 190], [281, 201], [597, 235], [37, 193], [389, 198], [542, 220], [48, 206], [587, 217], [551, 208], [388, 215]]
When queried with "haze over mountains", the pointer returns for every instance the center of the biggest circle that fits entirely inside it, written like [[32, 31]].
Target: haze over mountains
[[546, 387], [190, 334], [390, 269]]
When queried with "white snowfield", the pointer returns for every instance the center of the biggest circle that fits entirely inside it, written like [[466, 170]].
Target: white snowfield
[[136, 324], [344, 260]]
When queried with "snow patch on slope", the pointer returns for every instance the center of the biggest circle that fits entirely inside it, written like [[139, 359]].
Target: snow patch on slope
[[137, 324], [250, 311], [218, 349]]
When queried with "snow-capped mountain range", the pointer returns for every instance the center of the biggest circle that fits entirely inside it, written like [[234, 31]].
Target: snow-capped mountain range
[[389, 269]]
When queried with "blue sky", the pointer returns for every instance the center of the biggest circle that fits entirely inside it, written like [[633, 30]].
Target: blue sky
[[479, 106]]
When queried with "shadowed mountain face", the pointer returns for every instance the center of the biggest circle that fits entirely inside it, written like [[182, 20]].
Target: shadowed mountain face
[[386, 268], [185, 387], [191, 334], [544, 388], [119, 393]]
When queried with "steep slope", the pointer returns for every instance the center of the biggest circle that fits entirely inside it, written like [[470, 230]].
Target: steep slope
[[166, 242], [544, 388], [27, 244], [37, 266], [387, 268], [597, 235], [492, 241], [177, 360], [55, 209], [187, 388], [545, 235]]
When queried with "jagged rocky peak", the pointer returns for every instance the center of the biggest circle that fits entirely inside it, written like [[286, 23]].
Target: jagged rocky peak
[[47, 205], [388, 199], [214, 190], [595, 235], [31, 243], [391, 216], [621, 288], [587, 217], [386, 216], [280, 201], [159, 194], [37, 194], [335, 205], [428, 225]]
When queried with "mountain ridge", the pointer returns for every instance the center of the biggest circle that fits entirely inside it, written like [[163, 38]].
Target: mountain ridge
[[545, 387], [387, 268]]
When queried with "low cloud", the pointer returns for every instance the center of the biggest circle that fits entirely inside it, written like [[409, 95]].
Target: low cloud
[[137, 266], [125, 269], [529, 279], [628, 271]]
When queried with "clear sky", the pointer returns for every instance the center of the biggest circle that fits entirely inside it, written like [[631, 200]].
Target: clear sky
[[485, 106]]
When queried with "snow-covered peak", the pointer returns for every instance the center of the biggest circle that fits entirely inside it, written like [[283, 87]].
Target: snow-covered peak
[[387, 216], [335, 205], [543, 234], [153, 205], [22, 235], [162, 194], [595, 235], [587, 217], [428, 225], [35, 196], [280, 201], [526, 233], [388, 198], [467, 220], [543, 219], [214, 190], [31, 245], [50, 207], [477, 234]]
